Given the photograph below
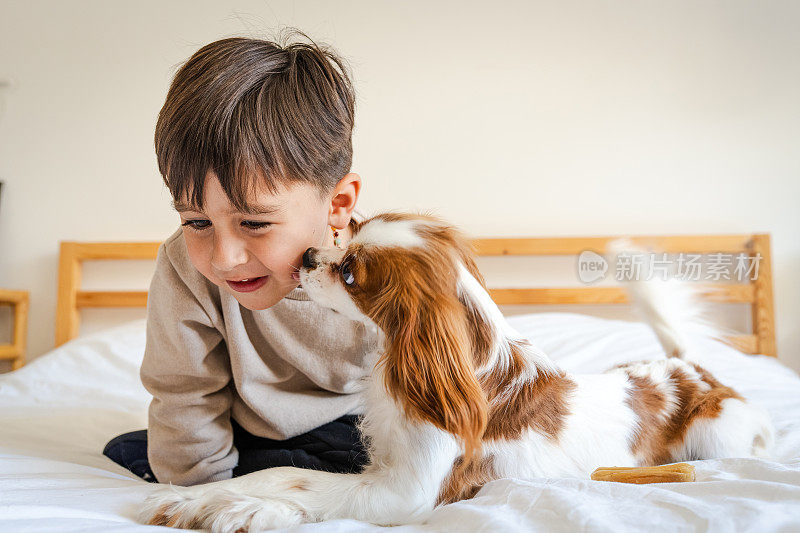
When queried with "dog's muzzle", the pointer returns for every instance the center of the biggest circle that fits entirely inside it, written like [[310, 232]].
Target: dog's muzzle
[[309, 261]]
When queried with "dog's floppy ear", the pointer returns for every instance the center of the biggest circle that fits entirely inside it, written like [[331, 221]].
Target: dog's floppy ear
[[429, 369], [355, 225]]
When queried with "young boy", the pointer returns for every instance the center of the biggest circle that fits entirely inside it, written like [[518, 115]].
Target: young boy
[[254, 144]]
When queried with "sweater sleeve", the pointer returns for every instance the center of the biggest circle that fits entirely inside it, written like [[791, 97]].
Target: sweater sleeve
[[186, 368]]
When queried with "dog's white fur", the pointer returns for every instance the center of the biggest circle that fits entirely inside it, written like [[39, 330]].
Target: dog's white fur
[[410, 459]]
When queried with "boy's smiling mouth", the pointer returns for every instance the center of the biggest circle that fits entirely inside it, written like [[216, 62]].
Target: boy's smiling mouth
[[248, 284]]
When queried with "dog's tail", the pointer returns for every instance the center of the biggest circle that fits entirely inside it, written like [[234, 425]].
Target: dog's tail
[[672, 308]]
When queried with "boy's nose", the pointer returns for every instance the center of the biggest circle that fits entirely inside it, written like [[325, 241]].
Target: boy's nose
[[308, 259], [228, 254]]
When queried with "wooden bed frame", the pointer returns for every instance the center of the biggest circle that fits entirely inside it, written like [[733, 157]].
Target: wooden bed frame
[[15, 350], [757, 293]]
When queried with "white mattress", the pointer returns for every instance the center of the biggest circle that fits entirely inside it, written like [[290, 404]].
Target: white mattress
[[59, 411]]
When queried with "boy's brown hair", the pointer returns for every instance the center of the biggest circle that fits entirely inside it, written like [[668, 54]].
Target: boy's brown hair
[[256, 112]]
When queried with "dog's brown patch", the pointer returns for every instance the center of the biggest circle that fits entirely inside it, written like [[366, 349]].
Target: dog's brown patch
[[196, 522], [695, 402], [660, 432], [649, 405], [173, 520], [160, 518], [466, 479], [517, 404], [299, 485]]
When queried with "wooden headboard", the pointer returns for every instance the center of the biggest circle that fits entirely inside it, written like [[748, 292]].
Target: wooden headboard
[[757, 292]]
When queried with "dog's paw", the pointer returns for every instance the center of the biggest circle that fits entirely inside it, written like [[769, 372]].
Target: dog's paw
[[221, 511], [169, 506]]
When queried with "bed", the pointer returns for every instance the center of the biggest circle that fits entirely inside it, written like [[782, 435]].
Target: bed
[[60, 410]]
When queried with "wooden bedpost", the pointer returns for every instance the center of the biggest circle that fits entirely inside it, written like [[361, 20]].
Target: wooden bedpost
[[763, 310], [15, 352], [69, 282]]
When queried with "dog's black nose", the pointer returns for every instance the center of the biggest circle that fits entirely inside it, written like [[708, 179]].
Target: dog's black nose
[[308, 259]]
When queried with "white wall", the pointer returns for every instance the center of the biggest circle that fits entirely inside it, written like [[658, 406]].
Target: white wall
[[510, 118]]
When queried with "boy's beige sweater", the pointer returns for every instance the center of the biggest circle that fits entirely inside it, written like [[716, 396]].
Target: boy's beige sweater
[[279, 372]]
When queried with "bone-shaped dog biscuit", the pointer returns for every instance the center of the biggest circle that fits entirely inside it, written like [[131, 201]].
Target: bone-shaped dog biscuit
[[678, 472]]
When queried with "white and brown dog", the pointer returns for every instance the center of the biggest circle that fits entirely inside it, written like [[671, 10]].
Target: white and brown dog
[[459, 398]]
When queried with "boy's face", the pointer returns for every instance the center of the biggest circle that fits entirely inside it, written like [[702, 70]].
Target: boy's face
[[225, 244]]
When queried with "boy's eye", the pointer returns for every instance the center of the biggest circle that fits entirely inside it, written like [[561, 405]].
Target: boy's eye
[[196, 224], [347, 275], [255, 225]]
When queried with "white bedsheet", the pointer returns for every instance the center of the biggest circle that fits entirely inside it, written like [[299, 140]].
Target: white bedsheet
[[59, 411]]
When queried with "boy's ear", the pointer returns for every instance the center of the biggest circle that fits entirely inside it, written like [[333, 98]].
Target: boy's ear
[[343, 200]]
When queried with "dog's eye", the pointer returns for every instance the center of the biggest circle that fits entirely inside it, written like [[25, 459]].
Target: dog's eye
[[347, 275]]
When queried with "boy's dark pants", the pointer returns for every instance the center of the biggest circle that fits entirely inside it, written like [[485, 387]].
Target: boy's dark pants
[[333, 447]]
